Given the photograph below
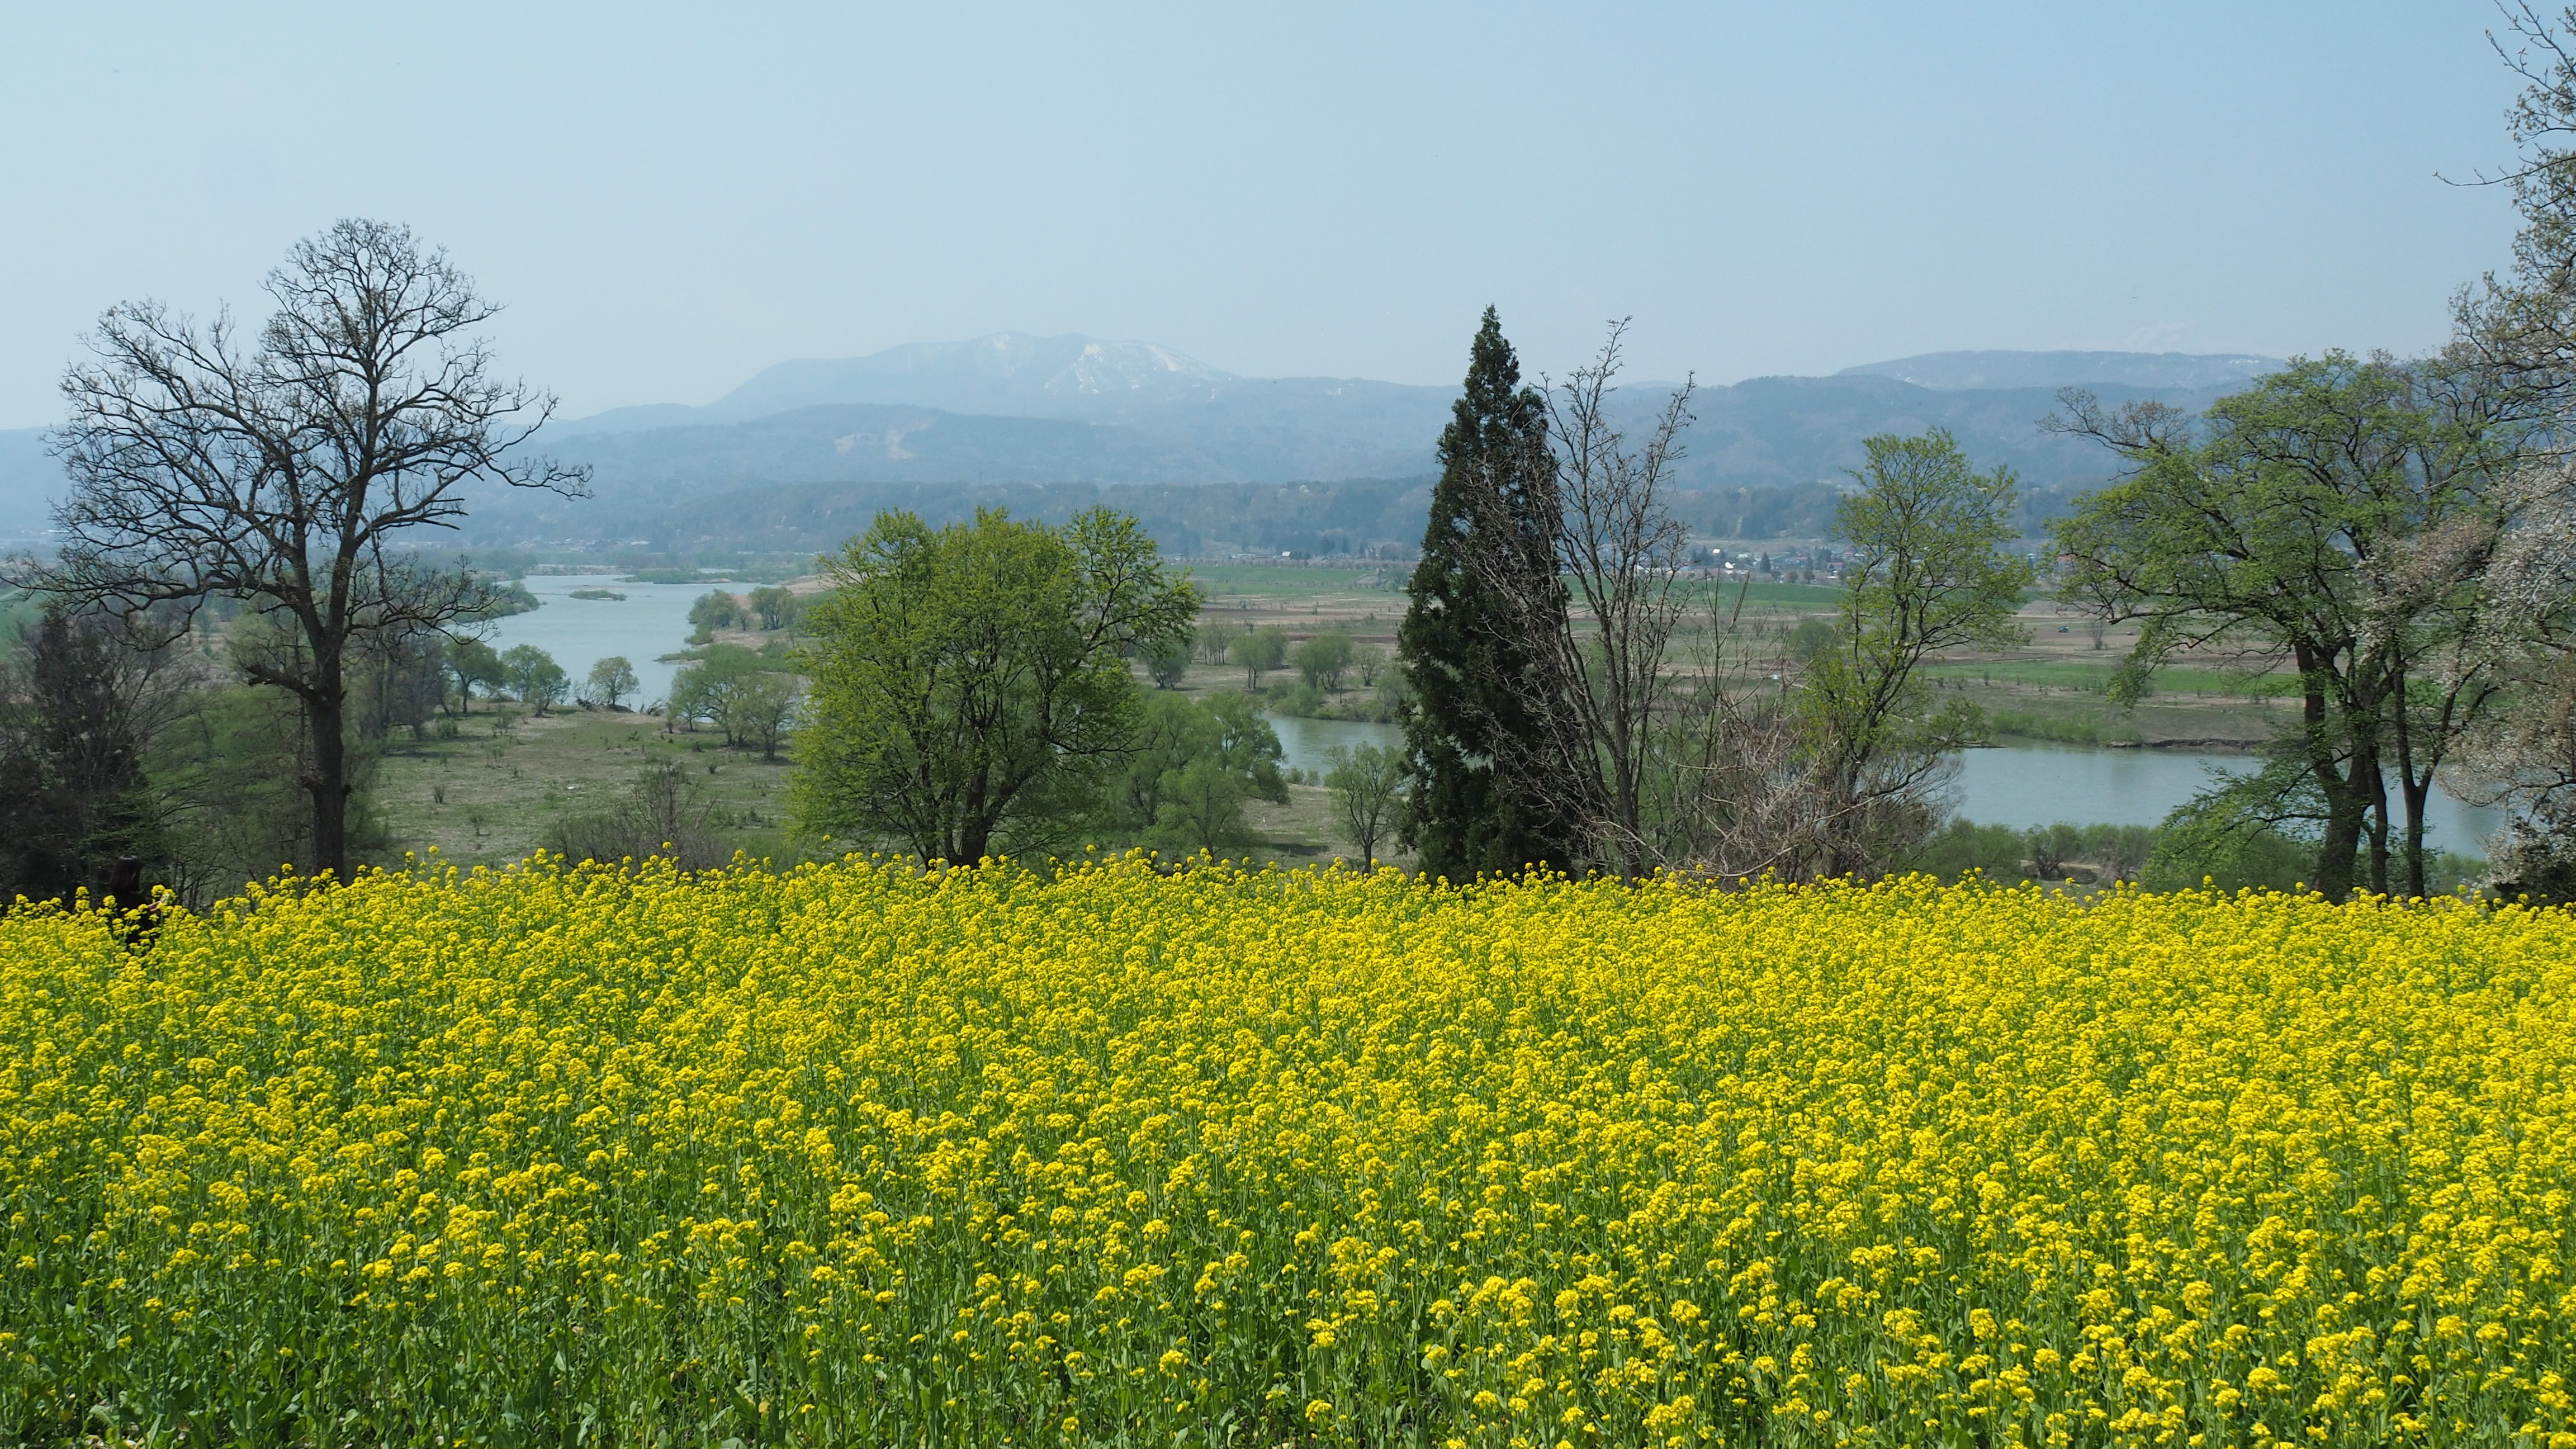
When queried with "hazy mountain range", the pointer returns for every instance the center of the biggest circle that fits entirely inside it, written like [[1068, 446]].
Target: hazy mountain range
[[2176, 371], [1013, 409]]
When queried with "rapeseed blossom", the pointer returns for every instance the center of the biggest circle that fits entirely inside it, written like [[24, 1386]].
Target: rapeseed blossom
[[864, 1154]]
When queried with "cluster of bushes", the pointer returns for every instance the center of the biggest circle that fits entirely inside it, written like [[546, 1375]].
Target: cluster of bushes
[[2063, 851], [749, 694], [767, 609], [665, 813]]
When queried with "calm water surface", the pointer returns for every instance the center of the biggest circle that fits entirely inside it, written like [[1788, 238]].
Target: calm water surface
[[652, 620], [1309, 743], [2015, 785], [2023, 785]]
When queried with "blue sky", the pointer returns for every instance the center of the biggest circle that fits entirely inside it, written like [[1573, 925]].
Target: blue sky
[[670, 198]]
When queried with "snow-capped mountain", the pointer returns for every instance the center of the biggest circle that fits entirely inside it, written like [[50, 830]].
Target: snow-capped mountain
[[1008, 374]]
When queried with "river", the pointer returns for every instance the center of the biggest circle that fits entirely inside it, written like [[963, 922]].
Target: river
[[652, 620], [2017, 785]]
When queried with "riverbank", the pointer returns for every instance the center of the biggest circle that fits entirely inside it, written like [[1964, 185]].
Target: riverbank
[[2061, 750]]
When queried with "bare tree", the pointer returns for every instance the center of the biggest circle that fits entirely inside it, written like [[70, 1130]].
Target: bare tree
[[1599, 674], [281, 474], [1739, 794], [1756, 775], [2524, 324]]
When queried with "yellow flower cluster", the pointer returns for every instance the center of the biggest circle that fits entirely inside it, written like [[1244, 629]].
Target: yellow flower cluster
[[867, 1155]]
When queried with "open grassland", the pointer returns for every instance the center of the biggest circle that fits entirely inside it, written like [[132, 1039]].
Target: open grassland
[[2078, 675], [496, 789], [856, 1155]]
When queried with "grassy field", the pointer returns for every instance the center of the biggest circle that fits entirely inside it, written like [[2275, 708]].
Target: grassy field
[[2094, 676], [1298, 581], [494, 793]]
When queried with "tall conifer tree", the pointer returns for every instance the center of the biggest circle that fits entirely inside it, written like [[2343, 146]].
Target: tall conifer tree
[[1468, 647]]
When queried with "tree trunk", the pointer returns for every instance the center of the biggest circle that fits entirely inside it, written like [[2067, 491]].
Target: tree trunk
[[2376, 793], [973, 833], [2345, 807], [2416, 793], [325, 710], [2345, 801]]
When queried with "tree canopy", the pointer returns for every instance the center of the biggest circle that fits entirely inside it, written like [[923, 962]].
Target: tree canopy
[[971, 692], [2339, 514]]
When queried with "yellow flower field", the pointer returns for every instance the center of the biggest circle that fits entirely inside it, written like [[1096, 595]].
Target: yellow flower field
[[858, 1156]]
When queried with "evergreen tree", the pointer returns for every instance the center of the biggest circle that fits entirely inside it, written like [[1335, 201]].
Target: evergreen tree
[[78, 709], [1467, 645]]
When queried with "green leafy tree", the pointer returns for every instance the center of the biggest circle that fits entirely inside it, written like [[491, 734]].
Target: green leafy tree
[[1211, 641], [611, 680], [704, 690], [2258, 831], [1368, 794], [1925, 574], [1322, 659], [713, 610], [759, 709], [1259, 652], [2341, 516], [1465, 643], [2050, 849], [1201, 806], [472, 662], [1169, 665], [1171, 730], [775, 607], [534, 676], [971, 693], [1369, 658]]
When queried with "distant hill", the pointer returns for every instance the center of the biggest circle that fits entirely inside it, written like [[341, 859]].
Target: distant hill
[[1958, 371], [1350, 516], [1008, 374], [1014, 410], [1762, 434], [1268, 428], [858, 442], [1381, 517]]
